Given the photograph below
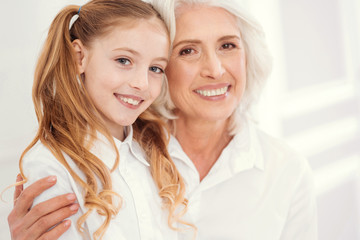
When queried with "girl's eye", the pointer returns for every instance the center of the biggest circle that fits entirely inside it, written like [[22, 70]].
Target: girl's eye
[[186, 51], [156, 69], [228, 46], [124, 61]]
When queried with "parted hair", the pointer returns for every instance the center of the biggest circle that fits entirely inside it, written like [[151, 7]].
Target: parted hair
[[69, 122]]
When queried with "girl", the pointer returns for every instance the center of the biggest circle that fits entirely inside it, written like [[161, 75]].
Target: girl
[[102, 66]]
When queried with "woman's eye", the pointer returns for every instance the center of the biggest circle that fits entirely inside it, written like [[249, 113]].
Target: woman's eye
[[156, 70], [123, 61], [228, 46], [186, 51]]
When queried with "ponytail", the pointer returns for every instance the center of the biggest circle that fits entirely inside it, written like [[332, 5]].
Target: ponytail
[[67, 117]]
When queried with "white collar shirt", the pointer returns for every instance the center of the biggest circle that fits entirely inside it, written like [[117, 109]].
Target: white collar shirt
[[258, 189], [141, 215]]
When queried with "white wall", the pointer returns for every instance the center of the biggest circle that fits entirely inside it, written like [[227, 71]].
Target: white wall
[[23, 25], [312, 98]]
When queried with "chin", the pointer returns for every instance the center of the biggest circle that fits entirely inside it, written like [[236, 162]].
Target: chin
[[125, 122], [216, 117]]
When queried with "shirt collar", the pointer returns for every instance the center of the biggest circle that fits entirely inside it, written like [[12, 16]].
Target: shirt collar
[[242, 153], [104, 150], [245, 150], [177, 153]]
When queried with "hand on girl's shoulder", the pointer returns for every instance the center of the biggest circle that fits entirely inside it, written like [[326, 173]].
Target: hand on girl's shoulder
[[39, 162]]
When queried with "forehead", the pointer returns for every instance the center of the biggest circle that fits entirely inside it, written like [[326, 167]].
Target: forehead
[[135, 31], [192, 20], [146, 37], [131, 26]]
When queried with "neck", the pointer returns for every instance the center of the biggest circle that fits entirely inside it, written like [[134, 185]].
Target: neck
[[117, 132], [202, 141]]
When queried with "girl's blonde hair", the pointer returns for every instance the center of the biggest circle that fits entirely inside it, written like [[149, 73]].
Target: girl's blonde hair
[[69, 121]]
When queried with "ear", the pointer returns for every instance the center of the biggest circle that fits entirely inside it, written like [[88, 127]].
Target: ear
[[80, 55]]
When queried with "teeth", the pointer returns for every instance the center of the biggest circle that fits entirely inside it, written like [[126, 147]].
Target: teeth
[[213, 92], [130, 101]]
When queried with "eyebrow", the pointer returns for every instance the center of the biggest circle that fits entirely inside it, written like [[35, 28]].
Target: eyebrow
[[162, 59], [128, 50], [187, 41], [229, 37], [195, 41], [138, 54]]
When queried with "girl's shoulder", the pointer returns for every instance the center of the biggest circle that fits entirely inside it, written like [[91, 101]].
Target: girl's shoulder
[[40, 154], [40, 162]]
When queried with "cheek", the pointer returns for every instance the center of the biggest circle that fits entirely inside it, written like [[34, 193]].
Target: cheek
[[238, 71], [171, 73], [100, 88], [96, 89], [180, 76], [90, 86], [156, 86], [176, 87]]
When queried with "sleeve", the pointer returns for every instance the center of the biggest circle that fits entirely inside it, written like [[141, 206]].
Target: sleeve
[[42, 163], [301, 223]]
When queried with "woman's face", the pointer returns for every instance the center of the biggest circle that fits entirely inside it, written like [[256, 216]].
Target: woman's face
[[207, 68], [124, 71]]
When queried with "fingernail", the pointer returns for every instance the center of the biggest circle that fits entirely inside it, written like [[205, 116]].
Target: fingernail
[[74, 207], [67, 223], [51, 179], [71, 197], [18, 178]]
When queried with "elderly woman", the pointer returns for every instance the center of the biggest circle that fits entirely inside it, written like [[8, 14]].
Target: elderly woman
[[240, 182]]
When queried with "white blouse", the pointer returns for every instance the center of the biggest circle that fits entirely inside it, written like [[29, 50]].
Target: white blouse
[[259, 189], [141, 215]]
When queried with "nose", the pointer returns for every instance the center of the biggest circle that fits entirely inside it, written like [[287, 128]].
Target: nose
[[140, 80], [212, 66]]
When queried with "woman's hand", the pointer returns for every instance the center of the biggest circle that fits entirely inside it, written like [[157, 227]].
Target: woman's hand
[[31, 224]]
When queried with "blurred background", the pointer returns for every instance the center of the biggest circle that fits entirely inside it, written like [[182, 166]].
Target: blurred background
[[312, 99]]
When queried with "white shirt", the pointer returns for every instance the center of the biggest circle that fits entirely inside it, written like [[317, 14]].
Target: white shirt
[[259, 189], [141, 215]]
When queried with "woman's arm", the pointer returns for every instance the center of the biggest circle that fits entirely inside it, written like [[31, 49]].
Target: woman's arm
[[34, 223]]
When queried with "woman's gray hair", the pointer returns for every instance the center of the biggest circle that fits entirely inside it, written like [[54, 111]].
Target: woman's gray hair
[[258, 58]]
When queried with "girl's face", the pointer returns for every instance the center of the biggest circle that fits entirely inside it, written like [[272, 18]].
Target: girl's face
[[124, 70], [207, 68]]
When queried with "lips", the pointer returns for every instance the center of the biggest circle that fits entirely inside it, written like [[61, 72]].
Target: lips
[[129, 100], [213, 91]]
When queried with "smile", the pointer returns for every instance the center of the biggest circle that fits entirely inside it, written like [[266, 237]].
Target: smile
[[129, 100], [213, 92]]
